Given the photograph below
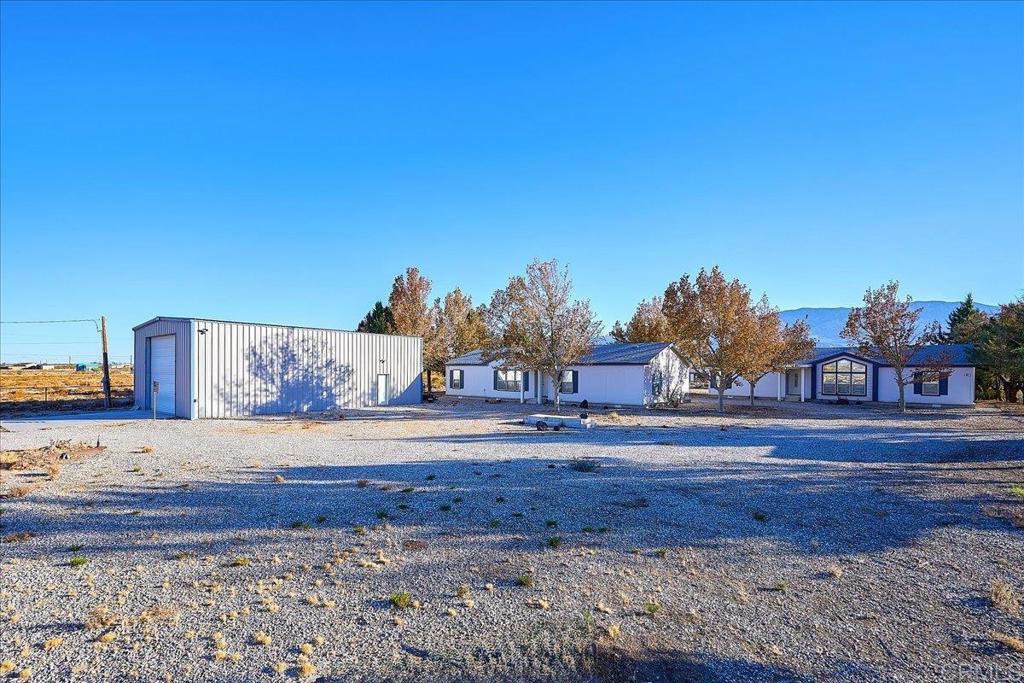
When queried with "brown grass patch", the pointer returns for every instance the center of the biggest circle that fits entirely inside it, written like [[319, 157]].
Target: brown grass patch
[[21, 491], [18, 537], [1004, 598], [1012, 642], [101, 617]]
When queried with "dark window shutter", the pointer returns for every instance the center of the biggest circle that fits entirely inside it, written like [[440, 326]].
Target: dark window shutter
[[451, 378], [917, 382], [944, 386], [495, 380], [526, 380], [575, 381]]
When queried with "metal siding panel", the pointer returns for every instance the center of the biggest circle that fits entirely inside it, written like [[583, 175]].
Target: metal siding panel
[[251, 369]]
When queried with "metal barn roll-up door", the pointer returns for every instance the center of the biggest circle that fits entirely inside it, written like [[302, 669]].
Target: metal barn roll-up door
[[161, 363]]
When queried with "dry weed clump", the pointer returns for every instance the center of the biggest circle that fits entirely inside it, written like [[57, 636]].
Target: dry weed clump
[[261, 638], [278, 479], [18, 537], [21, 491], [1012, 642], [101, 617], [835, 571], [53, 470], [6, 667], [1004, 598], [52, 643]]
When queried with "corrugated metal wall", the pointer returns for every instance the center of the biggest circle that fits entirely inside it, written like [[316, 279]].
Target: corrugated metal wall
[[252, 369], [182, 330]]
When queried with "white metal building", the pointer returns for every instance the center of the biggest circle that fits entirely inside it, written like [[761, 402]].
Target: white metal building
[[832, 373], [611, 374], [218, 368]]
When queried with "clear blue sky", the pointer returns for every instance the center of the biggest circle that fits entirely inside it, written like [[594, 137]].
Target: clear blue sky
[[282, 162]]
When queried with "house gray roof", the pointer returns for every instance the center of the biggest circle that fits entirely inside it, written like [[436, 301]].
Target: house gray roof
[[959, 354], [603, 354]]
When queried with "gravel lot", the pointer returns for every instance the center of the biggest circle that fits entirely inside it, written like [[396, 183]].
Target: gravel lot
[[781, 542]]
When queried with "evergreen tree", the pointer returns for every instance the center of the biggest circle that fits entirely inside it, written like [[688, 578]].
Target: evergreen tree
[[378, 320]]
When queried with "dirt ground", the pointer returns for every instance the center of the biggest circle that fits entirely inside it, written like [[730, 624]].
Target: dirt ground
[[445, 542], [61, 389]]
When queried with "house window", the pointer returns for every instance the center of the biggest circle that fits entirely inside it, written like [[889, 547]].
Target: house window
[[508, 380], [455, 381], [570, 380], [657, 380], [929, 386], [844, 378]]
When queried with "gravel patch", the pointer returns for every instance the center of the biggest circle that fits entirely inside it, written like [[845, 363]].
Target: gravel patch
[[780, 542]]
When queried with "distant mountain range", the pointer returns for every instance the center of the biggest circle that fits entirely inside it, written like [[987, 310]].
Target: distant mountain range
[[826, 323]]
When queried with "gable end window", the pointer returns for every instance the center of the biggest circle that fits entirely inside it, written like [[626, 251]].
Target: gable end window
[[844, 378], [508, 380], [570, 382], [455, 380]]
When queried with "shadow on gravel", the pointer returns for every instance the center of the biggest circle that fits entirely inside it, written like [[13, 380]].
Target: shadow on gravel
[[867, 444], [520, 505]]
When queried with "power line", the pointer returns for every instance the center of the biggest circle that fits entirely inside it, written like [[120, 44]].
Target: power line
[[43, 322]]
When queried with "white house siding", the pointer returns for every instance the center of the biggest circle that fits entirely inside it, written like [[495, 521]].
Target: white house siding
[[598, 384], [960, 388], [478, 380], [607, 384], [768, 386]]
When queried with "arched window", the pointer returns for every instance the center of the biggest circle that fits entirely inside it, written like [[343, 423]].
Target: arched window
[[844, 378]]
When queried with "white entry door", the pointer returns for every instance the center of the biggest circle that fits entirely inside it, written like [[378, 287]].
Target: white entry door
[[161, 364], [382, 390], [793, 382]]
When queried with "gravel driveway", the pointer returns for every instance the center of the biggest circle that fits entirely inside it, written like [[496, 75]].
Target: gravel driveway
[[781, 542]]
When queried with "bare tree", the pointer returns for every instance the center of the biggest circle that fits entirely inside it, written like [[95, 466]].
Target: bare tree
[[533, 324], [711, 322], [774, 346], [886, 326], [648, 324]]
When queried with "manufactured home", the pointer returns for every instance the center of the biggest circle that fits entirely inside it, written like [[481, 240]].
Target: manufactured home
[[834, 373], [195, 368], [611, 374]]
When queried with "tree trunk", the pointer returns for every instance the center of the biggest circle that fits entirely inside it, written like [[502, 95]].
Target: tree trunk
[[430, 384], [903, 397], [751, 395], [558, 394], [1011, 389], [721, 396]]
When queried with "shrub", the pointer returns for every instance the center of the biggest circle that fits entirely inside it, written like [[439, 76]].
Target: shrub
[[445, 508], [759, 516], [299, 524], [241, 562], [408, 489], [320, 519], [652, 607], [400, 600], [462, 591], [583, 465], [526, 581], [551, 523], [359, 530], [78, 560], [382, 514], [554, 541]]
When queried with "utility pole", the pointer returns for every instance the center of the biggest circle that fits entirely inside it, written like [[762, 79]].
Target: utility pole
[[106, 362]]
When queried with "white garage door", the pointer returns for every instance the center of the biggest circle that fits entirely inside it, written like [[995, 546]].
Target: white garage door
[[161, 364]]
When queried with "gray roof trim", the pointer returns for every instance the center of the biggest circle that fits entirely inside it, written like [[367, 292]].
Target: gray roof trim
[[602, 354], [249, 322]]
